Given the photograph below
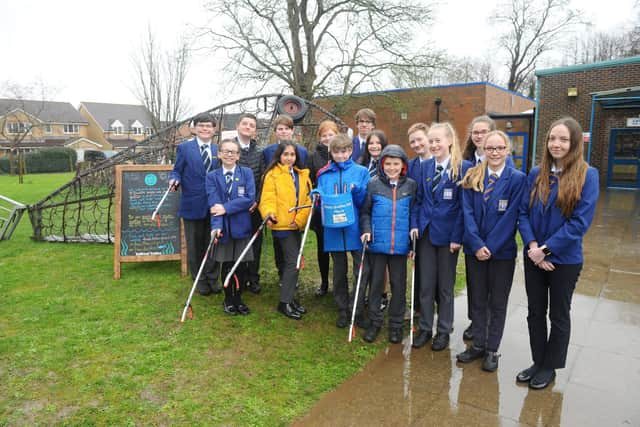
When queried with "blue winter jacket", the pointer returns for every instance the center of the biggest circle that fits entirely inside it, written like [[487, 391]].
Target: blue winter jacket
[[493, 223], [386, 210], [236, 222], [546, 225], [344, 177]]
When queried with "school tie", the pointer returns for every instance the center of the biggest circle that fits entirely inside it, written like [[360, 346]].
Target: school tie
[[373, 165], [493, 178], [478, 161], [553, 179], [436, 179], [206, 160], [228, 180]]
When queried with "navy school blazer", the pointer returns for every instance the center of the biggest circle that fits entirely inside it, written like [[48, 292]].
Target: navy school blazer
[[236, 222], [493, 223], [441, 210], [546, 225], [189, 172]]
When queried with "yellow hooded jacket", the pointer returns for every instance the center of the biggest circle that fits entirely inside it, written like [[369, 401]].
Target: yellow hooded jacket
[[279, 195]]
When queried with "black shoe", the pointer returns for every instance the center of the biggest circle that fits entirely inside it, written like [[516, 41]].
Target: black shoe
[[255, 287], [371, 334], [490, 362], [395, 335], [322, 290], [229, 309], [542, 379], [467, 335], [422, 338], [526, 375], [440, 342], [242, 309], [215, 288], [470, 354], [298, 307], [203, 288], [343, 320], [289, 311], [362, 322], [384, 302]]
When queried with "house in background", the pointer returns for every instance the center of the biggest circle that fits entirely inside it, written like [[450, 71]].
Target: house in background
[[117, 126], [31, 125]]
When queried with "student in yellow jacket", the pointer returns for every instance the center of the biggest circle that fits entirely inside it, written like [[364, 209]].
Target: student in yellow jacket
[[285, 186]]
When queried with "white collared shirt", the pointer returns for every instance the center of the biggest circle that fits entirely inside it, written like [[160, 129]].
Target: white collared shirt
[[225, 171], [478, 157], [206, 144], [498, 172], [444, 164], [554, 169]]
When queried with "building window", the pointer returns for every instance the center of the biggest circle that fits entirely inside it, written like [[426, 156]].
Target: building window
[[69, 128], [17, 127], [137, 130], [149, 131], [47, 128]]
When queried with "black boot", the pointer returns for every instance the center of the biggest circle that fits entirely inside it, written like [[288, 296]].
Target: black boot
[[289, 311]]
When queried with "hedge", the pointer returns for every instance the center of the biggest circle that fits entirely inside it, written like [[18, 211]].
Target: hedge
[[45, 161]]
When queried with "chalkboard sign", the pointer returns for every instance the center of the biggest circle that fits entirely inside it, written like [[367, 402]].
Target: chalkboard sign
[[139, 189]]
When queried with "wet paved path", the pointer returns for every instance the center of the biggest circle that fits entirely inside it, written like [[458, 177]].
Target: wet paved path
[[599, 387]]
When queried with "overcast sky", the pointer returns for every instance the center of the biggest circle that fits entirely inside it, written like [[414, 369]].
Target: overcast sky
[[81, 50]]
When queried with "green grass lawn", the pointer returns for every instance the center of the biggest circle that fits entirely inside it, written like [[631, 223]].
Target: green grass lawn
[[77, 347]]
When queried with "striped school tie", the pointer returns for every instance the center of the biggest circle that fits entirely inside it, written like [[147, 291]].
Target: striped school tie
[[553, 179], [493, 178], [228, 180], [206, 160], [373, 167], [436, 178]]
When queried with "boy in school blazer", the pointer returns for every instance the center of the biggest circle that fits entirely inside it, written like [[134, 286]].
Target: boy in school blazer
[[194, 159]]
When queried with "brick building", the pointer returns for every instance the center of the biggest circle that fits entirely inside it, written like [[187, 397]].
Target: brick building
[[457, 103], [604, 98]]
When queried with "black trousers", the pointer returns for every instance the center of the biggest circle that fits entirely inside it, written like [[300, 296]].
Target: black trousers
[[323, 257], [197, 233], [341, 283], [253, 268], [550, 290], [467, 257], [397, 264], [437, 280], [290, 245], [491, 284], [277, 254]]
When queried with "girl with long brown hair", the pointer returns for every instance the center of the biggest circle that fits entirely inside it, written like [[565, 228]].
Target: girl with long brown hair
[[554, 216]]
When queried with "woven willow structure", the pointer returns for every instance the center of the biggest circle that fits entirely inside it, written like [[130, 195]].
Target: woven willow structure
[[83, 209]]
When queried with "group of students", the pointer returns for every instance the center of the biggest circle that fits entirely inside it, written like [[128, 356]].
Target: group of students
[[428, 208]]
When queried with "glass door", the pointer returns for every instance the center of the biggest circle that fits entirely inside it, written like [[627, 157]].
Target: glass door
[[519, 149], [624, 158]]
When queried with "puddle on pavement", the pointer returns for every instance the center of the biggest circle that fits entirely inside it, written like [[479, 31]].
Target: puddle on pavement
[[598, 386]]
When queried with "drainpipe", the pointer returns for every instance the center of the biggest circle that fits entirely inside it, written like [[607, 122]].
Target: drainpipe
[[535, 126], [593, 113], [438, 102]]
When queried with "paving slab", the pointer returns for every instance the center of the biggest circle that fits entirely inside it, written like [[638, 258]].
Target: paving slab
[[599, 386]]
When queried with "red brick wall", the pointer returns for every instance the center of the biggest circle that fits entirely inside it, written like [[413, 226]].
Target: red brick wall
[[460, 104], [554, 103]]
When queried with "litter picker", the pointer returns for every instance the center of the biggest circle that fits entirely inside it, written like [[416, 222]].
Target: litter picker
[[187, 307], [166, 193], [244, 252], [352, 330]]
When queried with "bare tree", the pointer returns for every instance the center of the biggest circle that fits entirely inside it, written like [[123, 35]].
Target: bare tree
[[316, 47], [532, 28], [159, 80], [19, 118]]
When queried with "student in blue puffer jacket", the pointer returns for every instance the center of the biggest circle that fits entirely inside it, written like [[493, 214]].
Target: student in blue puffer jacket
[[385, 222], [342, 175]]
